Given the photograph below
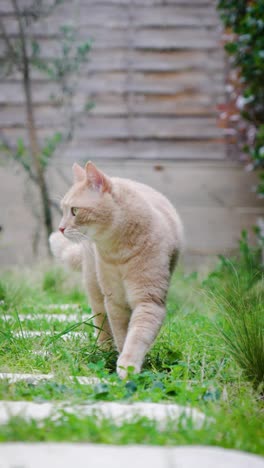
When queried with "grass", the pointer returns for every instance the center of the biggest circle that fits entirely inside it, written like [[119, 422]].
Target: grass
[[224, 433], [237, 292], [204, 357]]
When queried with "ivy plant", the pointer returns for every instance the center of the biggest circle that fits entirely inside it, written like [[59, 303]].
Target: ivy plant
[[244, 23]]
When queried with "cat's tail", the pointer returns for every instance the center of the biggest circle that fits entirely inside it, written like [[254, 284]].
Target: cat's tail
[[66, 251]]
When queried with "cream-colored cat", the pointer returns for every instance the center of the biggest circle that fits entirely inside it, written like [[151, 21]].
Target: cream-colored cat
[[126, 238]]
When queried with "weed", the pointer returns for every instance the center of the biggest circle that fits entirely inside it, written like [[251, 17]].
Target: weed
[[236, 290]]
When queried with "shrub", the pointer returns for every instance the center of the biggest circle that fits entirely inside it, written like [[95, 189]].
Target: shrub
[[244, 22]]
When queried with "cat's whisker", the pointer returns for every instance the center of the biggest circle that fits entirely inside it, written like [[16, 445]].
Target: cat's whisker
[[84, 237], [56, 198], [75, 235], [81, 234], [59, 195]]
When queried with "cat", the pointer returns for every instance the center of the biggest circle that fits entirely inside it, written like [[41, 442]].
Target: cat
[[126, 238]]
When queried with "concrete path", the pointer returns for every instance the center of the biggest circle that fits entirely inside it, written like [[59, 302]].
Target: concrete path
[[50, 455]]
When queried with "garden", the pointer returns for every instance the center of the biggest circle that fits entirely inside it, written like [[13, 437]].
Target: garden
[[202, 382], [209, 356]]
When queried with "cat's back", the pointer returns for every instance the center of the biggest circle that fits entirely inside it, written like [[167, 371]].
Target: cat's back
[[134, 188], [164, 213]]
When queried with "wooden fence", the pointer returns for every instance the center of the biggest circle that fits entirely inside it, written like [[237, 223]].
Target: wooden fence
[[155, 75]]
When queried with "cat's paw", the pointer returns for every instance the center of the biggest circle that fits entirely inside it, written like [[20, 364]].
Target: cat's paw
[[126, 365], [56, 241]]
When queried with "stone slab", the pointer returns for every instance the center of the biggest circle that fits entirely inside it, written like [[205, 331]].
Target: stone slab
[[35, 378], [62, 306], [37, 333], [47, 317], [161, 413], [64, 455]]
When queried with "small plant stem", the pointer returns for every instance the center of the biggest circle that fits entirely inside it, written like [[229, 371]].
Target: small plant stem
[[31, 126]]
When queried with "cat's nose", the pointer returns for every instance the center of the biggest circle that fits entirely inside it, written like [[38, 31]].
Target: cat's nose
[[62, 230]]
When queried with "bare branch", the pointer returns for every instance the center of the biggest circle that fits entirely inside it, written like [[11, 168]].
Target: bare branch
[[21, 29], [10, 47], [28, 170], [38, 10]]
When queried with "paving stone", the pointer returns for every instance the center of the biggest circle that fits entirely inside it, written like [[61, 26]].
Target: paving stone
[[35, 333], [162, 413], [42, 352], [35, 378], [64, 455], [48, 317], [62, 306]]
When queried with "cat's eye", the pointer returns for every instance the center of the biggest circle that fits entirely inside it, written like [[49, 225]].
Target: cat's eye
[[74, 211]]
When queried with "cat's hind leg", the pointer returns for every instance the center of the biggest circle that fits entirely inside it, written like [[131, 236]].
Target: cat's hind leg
[[119, 315], [100, 319], [96, 299]]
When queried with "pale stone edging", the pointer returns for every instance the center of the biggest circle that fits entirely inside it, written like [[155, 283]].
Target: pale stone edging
[[35, 378], [48, 317], [65, 455], [57, 335], [161, 413], [62, 306]]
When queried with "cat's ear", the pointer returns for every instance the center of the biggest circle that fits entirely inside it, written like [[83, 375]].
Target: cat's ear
[[96, 179], [78, 173]]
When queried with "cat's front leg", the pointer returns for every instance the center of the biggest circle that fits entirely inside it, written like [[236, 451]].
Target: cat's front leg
[[144, 326]]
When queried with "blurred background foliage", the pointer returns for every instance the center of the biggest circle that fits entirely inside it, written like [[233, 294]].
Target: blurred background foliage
[[244, 110]]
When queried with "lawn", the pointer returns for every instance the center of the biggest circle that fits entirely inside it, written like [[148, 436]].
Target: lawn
[[209, 355]]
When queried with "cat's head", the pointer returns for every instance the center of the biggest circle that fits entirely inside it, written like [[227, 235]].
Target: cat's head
[[88, 207]]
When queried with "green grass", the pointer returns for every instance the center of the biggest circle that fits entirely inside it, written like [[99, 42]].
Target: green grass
[[223, 433], [196, 361]]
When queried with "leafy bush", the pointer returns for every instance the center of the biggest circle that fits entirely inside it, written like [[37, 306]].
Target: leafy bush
[[244, 21]]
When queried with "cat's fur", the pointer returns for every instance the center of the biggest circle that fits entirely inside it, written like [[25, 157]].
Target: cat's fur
[[126, 238]]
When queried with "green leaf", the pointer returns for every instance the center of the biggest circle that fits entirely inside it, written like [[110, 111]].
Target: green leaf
[[131, 386], [35, 48], [231, 47], [101, 389]]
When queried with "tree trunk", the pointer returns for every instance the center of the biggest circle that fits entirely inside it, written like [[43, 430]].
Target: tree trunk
[[32, 133], [35, 152]]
